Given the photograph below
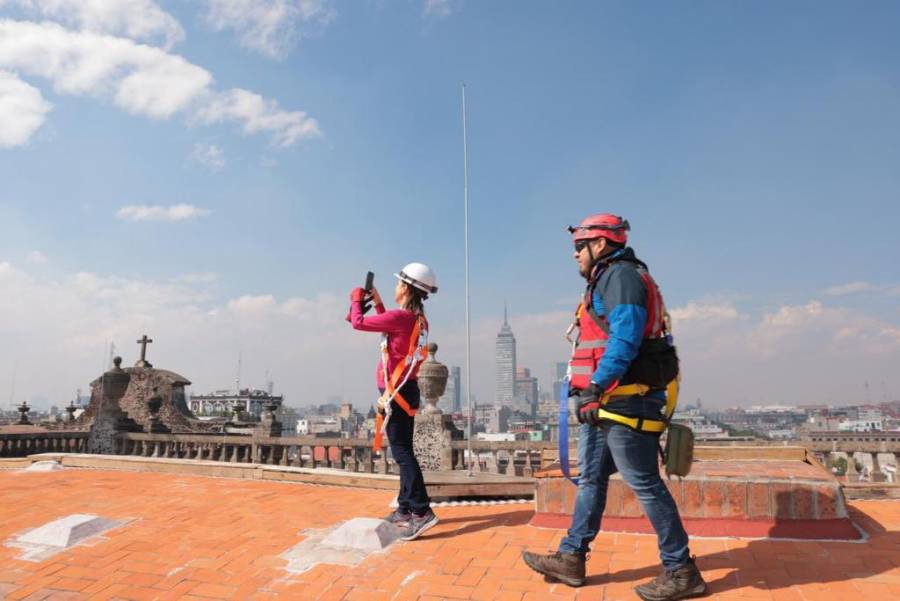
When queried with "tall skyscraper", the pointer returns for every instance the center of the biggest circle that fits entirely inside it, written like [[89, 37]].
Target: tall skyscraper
[[505, 356], [451, 400]]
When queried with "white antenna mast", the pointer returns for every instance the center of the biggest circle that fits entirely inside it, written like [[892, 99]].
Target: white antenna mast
[[469, 415], [237, 380]]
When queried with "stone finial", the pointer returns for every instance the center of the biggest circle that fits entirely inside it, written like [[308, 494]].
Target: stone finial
[[23, 414], [432, 380], [70, 410]]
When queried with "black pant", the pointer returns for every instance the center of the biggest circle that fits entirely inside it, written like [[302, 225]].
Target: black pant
[[413, 496]]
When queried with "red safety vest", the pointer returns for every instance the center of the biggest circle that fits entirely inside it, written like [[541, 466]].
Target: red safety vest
[[594, 330]]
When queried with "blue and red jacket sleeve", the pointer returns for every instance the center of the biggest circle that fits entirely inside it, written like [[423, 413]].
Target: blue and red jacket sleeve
[[621, 295]]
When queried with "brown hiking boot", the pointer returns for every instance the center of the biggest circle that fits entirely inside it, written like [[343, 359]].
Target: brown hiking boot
[[565, 567], [682, 583]]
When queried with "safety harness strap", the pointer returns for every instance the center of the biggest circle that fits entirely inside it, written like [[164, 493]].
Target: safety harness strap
[[639, 424], [392, 385]]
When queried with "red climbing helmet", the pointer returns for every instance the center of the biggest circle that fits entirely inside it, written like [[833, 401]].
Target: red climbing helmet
[[604, 225]]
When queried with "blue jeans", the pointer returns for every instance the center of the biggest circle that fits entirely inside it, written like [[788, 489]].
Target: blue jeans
[[412, 496], [604, 450]]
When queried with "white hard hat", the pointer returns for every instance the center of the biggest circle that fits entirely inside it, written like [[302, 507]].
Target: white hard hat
[[418, 275]]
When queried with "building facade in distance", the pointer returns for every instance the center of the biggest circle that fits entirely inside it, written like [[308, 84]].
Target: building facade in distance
[[221, 403]]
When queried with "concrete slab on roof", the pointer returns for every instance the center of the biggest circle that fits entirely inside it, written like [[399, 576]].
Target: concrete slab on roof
[[44, 466], [363, 534], [347, 544], [60, 534]]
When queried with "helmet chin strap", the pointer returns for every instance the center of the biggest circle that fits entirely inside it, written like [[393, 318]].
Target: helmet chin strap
[[594, 261]]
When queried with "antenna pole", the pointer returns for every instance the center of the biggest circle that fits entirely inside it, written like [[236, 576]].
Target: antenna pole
[[469, 416]]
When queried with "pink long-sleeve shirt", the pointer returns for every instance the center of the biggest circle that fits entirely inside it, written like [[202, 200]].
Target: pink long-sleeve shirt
[[398, 324]]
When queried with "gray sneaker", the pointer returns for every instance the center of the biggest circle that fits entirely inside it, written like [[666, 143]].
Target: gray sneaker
[[419, 524], [398, 518]]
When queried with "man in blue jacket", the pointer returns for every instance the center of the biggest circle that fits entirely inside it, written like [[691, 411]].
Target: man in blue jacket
[[622, 340]]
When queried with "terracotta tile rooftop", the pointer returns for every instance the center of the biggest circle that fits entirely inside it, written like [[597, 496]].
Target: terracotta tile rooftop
[[194, 537]]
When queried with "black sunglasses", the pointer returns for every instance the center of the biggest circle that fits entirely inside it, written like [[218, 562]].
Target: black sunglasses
[[580, 244]]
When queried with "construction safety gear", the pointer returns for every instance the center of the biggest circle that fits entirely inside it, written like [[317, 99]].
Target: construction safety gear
[[589, 405], [681, 583], [565, 567], [419, 276], [593, 331], [605, 225], [418, 352], [654, 368]]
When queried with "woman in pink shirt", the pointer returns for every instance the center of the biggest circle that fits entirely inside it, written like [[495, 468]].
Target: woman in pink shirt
[[403, 330]]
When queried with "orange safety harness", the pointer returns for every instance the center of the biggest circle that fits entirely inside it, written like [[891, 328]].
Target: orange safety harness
[[418, 352]]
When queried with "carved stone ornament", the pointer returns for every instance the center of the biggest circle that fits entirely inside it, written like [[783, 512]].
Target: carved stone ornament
[[432, 380]]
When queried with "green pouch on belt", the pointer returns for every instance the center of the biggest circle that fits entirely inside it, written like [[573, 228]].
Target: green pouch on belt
[[679, 453]]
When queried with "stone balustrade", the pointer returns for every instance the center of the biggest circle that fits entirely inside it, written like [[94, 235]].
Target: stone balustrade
[[22, 444], [348, 454], [514, 458]]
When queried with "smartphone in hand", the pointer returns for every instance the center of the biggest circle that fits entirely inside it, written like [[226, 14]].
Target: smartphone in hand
[[367, 303]]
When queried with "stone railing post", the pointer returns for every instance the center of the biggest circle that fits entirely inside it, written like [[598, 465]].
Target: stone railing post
[[433, 431], [852, 472], [876, 475]]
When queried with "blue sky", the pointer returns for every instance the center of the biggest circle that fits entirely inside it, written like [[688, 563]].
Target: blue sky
[[753, 147]]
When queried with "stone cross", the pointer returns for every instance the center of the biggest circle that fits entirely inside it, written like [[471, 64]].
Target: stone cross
[[144, 341]]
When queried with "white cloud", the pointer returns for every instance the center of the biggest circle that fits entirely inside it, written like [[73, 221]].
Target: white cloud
[[206, 277], [67, 323], [270, 27], [252, 304], [209, 155], [794, 315], [37, 257], [179, 212], [850, 288], [810, 352], [439, 8], [140, 79], [697, 311], [136, 19], [22, 110], [260, 115], [819, 354]]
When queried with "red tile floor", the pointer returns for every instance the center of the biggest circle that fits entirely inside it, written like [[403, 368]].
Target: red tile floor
[[194, 537]]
